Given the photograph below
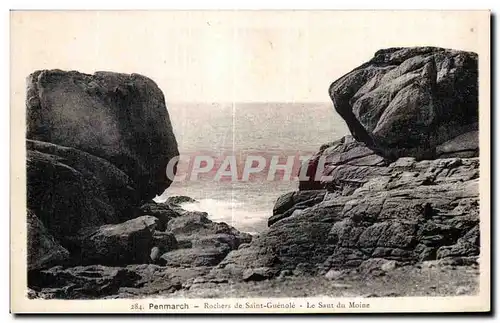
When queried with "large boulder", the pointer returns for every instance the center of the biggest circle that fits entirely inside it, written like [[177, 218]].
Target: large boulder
[[121, 118], [129, 242], [97, 146], [408, 101]]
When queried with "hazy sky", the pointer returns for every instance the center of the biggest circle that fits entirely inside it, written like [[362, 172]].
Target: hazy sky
[[229, 56]]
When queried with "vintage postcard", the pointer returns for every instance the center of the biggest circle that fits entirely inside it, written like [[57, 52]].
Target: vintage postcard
[[250, 161]]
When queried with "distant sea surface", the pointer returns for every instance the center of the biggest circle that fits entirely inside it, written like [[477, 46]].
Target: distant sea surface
[[242, 129]]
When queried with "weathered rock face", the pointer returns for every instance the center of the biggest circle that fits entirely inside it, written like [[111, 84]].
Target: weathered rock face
[[43, 250], [408, 101], [69, 189], [97, 146], [408, 211], [120, 118]]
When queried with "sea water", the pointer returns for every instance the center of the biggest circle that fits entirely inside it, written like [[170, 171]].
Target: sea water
[[242, 129]]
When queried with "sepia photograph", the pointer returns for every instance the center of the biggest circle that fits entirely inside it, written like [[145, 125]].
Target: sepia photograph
[[250, 161]]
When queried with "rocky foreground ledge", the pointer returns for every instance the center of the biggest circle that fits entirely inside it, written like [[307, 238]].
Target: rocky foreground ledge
[[394, 212], [160, 251], [370, 215]]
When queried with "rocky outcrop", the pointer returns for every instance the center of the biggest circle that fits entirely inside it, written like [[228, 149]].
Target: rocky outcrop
[[129, 242], [407, 211], [97, 148], [162, 211], [402, 190], [178, 200], [408, 101]]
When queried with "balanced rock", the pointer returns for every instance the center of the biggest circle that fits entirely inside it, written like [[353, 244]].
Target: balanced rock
[[121, 118], [408, 101]]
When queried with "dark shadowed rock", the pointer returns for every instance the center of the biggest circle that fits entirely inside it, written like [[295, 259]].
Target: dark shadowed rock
[[97, 146], [176, 203], [197, 225], [69, 189], [158, 280], [408, 101], [310, 179], [121, 118], [466, 245], [43, 250], [164, 240], [118, 244]]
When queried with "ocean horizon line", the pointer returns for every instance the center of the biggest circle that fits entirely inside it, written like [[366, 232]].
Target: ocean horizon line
[[248, 102]]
